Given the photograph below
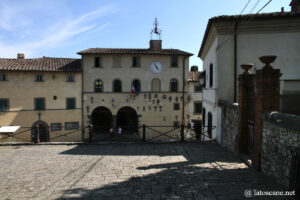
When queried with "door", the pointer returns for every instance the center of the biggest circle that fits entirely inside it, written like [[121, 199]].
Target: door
[[41, 131]]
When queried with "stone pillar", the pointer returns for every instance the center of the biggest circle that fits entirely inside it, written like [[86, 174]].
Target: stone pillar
[[114, 123], [244, 82], [267, 99]]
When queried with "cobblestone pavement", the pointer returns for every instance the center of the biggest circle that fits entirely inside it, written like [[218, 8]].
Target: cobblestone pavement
[[126, 171]]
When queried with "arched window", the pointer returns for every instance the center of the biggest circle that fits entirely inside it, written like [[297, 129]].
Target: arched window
[[174, 85], [211, 75], [136, 86], [117, 86], [98, 86], [155, 85]]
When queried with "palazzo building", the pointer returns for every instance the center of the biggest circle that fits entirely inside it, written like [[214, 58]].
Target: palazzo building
[[130, 87]]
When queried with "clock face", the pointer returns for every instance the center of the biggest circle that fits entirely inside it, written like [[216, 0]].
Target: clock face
[[156, 67]]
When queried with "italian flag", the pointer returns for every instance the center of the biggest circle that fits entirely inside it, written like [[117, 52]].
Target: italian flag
[[133, 90]]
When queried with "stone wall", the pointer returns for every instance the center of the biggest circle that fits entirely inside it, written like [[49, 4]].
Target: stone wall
[[280, 133], [229, 124]]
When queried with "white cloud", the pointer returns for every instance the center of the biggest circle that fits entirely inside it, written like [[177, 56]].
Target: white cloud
[[32, 39]]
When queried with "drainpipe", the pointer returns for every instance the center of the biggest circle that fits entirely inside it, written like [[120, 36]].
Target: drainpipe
[[235, 61]]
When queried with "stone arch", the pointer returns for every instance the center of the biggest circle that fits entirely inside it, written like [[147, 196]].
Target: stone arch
[[102, 119], [40, 127], [127, 119]]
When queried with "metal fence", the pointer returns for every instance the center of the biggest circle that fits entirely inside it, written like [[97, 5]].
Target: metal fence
[[146, 133], [28, 135]]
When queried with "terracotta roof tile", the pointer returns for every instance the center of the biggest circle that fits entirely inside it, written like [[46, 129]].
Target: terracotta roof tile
[[41, 64], [133, 51]]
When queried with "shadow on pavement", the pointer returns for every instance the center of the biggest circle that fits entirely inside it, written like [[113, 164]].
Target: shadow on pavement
[[209, 172]]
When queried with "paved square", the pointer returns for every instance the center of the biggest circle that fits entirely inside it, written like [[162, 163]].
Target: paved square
[[126, 171]]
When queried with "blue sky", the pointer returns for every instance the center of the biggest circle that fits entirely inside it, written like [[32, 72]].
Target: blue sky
[[60, 28]]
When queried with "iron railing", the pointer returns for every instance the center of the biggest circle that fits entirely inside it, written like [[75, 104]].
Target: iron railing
[[142, 133], [27, 135]]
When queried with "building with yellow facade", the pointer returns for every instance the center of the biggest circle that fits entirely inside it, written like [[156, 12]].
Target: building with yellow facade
[[41, 95]]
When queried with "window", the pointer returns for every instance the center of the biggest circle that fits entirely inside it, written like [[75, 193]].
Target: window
[[98, 86], [71, 103], [197, 88], [197, 107], [136, 61], [174, 61], [155, 85], [173, 85], [4, 105], [204, 76], [55, 126], [211, 75], [136, 86], [117, 86], [70, 78], [3, 77], [39, 104], [98, 62], [176, 106], [203, 116], [209, 125], [71, 125], [39, 78]]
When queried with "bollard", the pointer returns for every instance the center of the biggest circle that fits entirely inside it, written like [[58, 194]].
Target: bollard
[[144, 133], [182, 133]]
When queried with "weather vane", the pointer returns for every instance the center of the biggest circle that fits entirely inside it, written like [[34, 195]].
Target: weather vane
[[155, 29]]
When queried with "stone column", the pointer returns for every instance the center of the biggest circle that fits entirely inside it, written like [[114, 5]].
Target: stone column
[[244, 82], [267, 99], [114, 123]]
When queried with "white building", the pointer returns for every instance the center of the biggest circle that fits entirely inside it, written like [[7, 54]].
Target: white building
[[230, 41]]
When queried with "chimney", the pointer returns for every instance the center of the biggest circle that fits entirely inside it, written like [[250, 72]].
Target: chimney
[[20, 56], [155, 45], [282, 9], [295, 6]]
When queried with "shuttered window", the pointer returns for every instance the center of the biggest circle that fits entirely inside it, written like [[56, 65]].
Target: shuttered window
[[39, 104], [4, 106]]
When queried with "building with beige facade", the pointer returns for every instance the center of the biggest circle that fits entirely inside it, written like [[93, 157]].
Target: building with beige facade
[[128, 88], [43, 97]]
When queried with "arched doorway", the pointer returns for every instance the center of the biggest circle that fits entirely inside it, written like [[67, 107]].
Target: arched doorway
[[101, 119], [40, 128], [127, 119]]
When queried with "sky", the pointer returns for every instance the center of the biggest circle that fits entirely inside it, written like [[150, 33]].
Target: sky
[[61, 28]]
